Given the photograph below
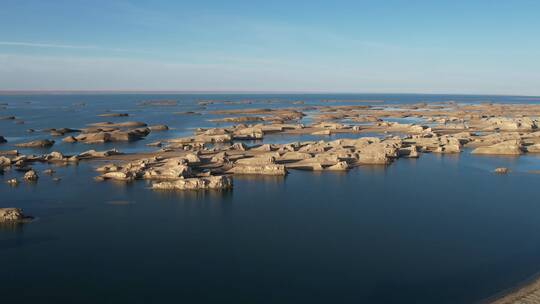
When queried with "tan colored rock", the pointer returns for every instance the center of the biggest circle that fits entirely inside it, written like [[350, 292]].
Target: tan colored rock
[[295, 156], [156, 128], [511, 147], [120, 176], [54, 156], [168, 172], [12, 182], [258, 160], [202, 183], [12, 215], [340, 166], [98, 154], [270, 169], [322, 132], [4, 161], [69, 139], [30, 176]]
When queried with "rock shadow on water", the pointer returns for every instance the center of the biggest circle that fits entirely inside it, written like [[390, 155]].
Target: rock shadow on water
[[193, 195], [269, 179], [21, 241], [120, 203]]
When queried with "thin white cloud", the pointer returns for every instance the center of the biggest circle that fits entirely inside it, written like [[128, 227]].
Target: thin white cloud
[[66, 46], [46, 45]]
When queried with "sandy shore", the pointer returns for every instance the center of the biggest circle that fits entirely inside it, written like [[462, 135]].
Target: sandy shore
[[526, 293]]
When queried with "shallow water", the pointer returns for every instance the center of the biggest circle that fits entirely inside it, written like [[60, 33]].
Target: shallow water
[[439, 229]]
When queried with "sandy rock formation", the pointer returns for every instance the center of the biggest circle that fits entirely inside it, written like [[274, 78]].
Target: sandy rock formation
[[261, 169], [30, 176], [511, 147], [4, 161], [203, 183], [98, 154], [340, 166], [13, 215], [112, 136]]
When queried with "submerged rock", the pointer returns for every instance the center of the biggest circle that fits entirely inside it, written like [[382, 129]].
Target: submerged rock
[[2, 140], [44, 143], [156, 128], [501, 170], [114, 115], [12, 182]]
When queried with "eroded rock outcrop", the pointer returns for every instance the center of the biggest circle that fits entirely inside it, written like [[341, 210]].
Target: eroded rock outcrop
[[203, 183], [13, 215]]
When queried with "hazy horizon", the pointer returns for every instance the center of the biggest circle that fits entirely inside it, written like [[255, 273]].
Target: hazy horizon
[[420, 47]]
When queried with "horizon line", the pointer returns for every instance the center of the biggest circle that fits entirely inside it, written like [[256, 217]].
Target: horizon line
[[90, 92]]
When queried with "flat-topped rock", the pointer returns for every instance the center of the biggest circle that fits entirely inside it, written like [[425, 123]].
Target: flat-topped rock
[[156, 128], [511, 147], [113, 115], [43, 143], [272, 169], [125, 124], [203, 183]]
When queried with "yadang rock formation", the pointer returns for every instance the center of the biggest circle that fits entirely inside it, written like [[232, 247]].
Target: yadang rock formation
[[210, 157]]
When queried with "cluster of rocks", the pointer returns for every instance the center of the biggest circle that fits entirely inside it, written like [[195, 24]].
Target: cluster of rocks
[[23, 163], [180, 169], [208, 158]]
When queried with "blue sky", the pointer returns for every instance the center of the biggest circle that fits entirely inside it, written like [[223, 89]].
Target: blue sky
[[489, 47]]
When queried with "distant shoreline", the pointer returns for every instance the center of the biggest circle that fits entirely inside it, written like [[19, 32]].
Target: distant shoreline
[[180, 92]]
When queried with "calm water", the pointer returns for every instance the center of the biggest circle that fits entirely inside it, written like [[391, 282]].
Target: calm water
[[440, 229]]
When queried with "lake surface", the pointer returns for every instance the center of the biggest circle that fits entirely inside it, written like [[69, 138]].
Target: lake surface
[[438, 229]]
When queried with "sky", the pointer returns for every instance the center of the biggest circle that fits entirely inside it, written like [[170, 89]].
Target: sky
[[380, 46]]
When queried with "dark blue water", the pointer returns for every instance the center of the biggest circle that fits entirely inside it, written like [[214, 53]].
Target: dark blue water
[[439, 229]]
